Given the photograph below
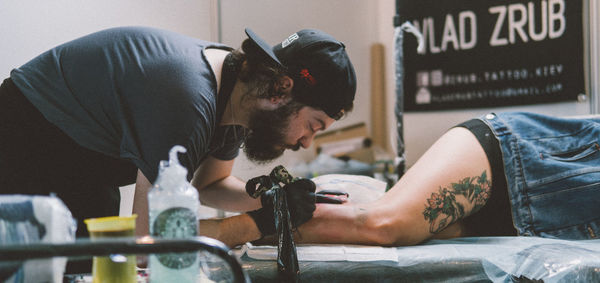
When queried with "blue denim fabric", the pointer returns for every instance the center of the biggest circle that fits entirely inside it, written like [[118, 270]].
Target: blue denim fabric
[[552, 169]]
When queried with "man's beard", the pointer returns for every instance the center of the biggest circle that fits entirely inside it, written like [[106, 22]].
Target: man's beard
[[266, 141]]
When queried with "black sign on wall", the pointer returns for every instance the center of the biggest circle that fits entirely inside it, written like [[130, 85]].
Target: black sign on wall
[[492, 53]]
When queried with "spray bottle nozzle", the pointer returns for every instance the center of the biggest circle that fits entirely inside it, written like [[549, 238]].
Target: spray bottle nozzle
[[172, 173], [173, 159]]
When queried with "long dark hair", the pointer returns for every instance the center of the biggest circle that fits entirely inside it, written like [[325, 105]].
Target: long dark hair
[[257, 71]]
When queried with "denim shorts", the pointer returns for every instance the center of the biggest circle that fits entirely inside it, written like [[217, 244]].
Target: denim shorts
[[552, 169]]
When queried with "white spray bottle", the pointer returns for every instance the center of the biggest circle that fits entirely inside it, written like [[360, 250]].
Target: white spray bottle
[[173, 206]]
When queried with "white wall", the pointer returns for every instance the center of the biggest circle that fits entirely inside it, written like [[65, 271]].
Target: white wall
[[29, 27]]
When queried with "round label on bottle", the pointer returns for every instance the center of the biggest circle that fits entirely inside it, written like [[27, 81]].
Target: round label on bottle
[[176, 222]]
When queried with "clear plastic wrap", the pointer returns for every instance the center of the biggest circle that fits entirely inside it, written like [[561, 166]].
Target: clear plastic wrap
[[484, 259]]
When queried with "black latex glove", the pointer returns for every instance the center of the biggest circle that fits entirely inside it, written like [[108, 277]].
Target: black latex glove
[[301, 200]]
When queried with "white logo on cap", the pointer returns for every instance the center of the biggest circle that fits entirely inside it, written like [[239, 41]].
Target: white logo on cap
[[289, 40]]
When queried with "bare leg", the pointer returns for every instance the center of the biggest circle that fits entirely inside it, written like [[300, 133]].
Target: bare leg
[[449, 182]]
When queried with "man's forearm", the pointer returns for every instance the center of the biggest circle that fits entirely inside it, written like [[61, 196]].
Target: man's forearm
[[232, 231], [140, 204], [228, 194], [219, 189]]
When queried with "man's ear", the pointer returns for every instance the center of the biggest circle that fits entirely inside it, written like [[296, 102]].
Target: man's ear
[[284, 85], [276, 101], [283, 90], [283, 94]]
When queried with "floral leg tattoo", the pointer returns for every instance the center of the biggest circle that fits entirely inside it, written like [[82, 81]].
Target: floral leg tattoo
[[442, 208]]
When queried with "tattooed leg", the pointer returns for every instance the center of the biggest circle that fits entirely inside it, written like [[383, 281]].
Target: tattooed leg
[[461, 199], [427, 202]]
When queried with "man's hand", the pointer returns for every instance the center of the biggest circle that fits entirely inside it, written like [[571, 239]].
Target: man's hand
[[301, 200]]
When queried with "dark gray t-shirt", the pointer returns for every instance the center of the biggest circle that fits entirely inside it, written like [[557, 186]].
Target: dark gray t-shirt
[[132, 93]]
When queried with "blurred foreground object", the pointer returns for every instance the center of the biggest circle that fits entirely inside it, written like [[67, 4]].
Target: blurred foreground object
[[218, 263], [34, 219], [173, 205], [116, 267]]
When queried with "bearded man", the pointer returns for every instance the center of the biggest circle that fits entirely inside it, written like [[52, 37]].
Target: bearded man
[[101, 111]]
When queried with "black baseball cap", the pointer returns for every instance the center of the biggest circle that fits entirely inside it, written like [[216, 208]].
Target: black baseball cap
[[323, 75]]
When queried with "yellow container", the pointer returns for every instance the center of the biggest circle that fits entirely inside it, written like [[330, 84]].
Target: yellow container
[[113, 268]]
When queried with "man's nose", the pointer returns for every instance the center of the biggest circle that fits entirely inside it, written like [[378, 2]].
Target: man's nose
[[306, 141]]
